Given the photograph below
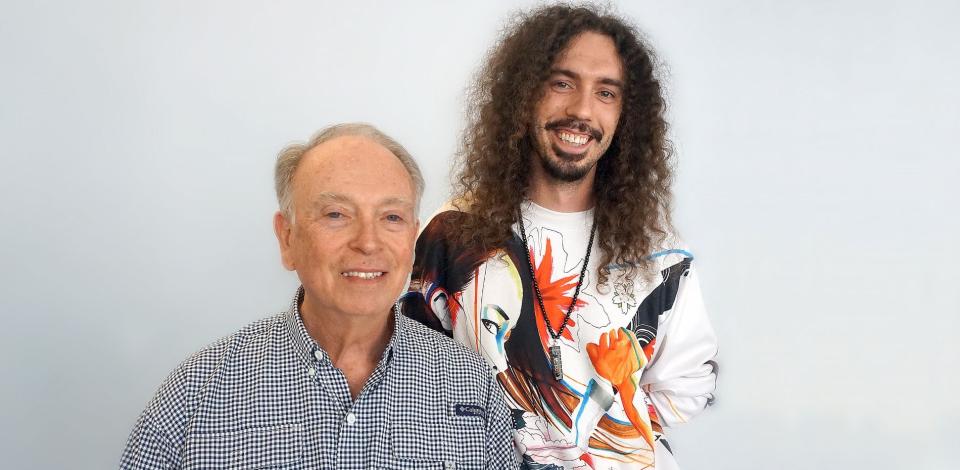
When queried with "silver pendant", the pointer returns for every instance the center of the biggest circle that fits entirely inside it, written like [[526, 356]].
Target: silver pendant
[[556, 361]]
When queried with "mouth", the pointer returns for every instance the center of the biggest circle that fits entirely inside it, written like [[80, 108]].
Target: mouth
[[362, 275], [572, 142]]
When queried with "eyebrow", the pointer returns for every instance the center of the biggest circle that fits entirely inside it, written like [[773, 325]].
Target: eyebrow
[[337, 197], [496, 308], [576, 76]]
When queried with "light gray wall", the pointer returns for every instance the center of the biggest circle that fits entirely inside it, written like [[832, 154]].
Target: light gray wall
[[818, 187]]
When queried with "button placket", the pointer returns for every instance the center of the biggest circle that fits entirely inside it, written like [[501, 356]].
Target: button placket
[[331, 380]]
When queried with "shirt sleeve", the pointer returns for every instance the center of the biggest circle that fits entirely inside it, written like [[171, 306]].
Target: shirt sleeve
[[157, 439], [148, 447], [500, 452], [153, 443], [682, 375]]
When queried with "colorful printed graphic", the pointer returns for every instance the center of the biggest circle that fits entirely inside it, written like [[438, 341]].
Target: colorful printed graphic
[[597, 416]]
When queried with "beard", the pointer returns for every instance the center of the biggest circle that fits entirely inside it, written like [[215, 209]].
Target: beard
[[565, 166]]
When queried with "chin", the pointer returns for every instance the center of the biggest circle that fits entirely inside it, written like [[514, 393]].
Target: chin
[[568, 173], [568, 167], [374, 310]]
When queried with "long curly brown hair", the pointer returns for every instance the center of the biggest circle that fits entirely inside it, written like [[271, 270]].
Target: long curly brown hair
[[632, 186]]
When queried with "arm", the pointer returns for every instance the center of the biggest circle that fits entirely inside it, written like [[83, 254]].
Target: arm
[[681, 378]]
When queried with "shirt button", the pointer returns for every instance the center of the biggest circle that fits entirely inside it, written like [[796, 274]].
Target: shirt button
[[318, 354], [351, 418], [311, 372], [449, 465]]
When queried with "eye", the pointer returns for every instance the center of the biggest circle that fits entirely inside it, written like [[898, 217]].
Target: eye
[[334, 215], [562, 85], [394, 218], [490, 326], [607, 95]]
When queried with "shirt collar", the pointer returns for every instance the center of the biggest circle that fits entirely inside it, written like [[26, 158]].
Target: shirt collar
[[311, 353]]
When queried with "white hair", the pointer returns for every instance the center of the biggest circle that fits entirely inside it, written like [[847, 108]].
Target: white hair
[[289, 159]]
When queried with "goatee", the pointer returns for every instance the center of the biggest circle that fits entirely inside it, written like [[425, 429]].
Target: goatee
[[564, 168]]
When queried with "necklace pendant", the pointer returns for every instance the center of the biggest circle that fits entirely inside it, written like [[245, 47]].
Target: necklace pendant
[[556, 360]]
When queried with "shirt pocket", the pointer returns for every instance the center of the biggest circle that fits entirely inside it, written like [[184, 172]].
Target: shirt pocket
[[446, 443], [273, 447], [400, 464]]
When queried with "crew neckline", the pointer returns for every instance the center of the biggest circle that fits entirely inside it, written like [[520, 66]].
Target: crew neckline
[[539, 215], [538, 208]]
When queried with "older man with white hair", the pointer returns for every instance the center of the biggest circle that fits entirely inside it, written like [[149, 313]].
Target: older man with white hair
[[340, 380]]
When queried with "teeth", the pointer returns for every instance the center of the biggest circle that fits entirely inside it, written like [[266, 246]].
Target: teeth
[[573, 139], [362, 275]]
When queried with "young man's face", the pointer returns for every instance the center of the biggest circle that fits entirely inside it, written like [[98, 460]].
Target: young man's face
[[578, 114]]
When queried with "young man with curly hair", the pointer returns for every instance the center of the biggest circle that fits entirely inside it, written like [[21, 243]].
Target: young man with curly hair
[[556, 260]]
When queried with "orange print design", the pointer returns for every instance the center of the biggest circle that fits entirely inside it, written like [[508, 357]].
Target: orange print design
[[616, 357], [555, 297], [454, 307], [648, 349]]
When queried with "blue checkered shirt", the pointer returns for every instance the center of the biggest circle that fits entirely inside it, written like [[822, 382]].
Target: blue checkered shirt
[[269, 397]]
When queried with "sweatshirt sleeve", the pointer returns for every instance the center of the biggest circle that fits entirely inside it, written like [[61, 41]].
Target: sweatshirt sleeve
[[681, 377]]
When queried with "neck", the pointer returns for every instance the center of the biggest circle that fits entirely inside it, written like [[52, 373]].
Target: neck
[[351, 341], [558, 195]]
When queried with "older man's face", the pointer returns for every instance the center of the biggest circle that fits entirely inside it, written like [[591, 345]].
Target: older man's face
[[355, 226]]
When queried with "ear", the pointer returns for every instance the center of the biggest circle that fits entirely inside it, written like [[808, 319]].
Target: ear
[[282, 228]]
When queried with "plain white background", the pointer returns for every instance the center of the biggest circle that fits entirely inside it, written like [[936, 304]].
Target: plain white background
[[817, 184]]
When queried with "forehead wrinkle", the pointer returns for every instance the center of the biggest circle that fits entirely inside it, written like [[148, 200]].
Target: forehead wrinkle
[[329, 196], [400, 201]]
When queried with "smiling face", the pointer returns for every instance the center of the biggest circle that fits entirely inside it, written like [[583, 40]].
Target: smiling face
[[578, 114], [355, 226]]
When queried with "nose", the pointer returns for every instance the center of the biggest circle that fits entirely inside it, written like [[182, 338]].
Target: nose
[[580, 105], [366, 239]]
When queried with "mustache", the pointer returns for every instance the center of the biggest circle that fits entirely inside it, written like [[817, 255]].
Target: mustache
[[575, 124]]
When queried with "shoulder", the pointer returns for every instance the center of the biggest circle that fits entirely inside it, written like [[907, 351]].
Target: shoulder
[[214, 356], [671, 251], [426, 342], [183, 390], [441, 247], [667, 253], [445, 218], [445, 366]]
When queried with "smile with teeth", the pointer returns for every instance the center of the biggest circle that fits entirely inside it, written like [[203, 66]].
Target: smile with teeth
[[362, 275], [573, 139]]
